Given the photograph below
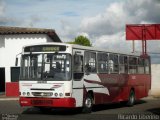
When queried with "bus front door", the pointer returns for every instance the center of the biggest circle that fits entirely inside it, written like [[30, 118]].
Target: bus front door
[[78, 74]]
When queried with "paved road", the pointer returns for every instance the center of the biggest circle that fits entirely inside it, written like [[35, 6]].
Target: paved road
[[142, 109]]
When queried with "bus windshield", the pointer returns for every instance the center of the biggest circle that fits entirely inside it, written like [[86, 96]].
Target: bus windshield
[[50, 67]]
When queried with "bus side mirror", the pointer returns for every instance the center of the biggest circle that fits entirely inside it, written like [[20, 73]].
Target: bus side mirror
[[16, 63]]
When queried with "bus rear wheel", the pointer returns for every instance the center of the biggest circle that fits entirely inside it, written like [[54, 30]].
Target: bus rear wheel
[[88, 103], [131, 98]]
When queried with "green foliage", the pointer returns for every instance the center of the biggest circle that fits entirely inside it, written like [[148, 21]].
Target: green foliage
[[71, 42], [81, 40]]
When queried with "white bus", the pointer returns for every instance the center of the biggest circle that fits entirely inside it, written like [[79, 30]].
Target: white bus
[[59, 75]]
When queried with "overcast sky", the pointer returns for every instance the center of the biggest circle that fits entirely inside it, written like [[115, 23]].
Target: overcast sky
[[102, 21]]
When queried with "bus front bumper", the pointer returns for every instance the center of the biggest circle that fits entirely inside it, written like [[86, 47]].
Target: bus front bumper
[[48, 102]]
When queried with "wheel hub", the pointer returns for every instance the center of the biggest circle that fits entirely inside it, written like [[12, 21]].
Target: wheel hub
[[88, 102]]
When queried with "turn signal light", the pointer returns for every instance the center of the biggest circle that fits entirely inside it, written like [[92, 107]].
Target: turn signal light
[[67, 94]]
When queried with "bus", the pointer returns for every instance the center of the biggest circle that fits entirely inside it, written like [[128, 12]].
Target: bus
[[59, 75]]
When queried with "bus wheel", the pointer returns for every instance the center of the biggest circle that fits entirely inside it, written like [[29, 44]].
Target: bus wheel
[[131, 99], [87, 108]]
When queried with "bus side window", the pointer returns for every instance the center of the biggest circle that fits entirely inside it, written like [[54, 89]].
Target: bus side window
[[78, 63], [78, 67], [141, 65], [121, 64], [113, 63], [132, 65], [90, 62], [126, 64], [102, 59], [147, 64]]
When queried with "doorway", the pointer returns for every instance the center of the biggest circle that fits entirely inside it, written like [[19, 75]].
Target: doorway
[[2, 80]]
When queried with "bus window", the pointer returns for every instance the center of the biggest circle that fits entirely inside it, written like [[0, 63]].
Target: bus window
[[140, 66], [46, 67], [90, 62], [146, 64], [113, 63], [78, 67], [132, 65], [78, 63], [126, 64], [102, 62], [122, 64]]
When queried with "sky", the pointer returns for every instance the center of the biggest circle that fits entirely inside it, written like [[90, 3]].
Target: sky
[[102, 21]]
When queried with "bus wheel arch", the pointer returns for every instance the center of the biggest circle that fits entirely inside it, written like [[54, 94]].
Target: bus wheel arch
[[92, 94]]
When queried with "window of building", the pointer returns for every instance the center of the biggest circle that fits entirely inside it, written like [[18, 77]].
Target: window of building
[[113, 63], [90, 61], [102, 62], [15, 71]]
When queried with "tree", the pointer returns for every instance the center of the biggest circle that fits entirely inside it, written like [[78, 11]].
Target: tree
[[81, 40]]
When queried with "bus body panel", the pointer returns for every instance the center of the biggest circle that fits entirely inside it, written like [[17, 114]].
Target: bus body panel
[[39, 91], [118, 87], [140, 83]]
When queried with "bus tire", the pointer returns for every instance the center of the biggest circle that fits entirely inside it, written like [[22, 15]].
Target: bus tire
[[88, 103], [131, 98]]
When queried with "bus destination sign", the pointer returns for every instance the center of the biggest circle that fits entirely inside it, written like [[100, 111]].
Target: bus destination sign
[[48, 49], [45, 48]]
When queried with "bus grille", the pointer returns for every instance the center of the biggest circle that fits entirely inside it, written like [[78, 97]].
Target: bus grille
[[41, 102], [42, 94]]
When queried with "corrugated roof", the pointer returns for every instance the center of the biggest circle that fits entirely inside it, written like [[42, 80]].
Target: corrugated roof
[[4, 30]]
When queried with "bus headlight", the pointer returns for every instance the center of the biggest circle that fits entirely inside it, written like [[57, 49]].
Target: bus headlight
[[24, 93], [60, 94], [56, 94], [28, 93]]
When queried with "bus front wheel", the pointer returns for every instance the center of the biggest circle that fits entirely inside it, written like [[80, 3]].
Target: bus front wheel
[[88, 103]]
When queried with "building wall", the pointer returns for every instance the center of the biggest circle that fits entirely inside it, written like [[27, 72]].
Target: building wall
[[155, 84], [11, 45], [2, 50]]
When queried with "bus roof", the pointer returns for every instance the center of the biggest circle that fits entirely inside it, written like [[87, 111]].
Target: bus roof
[[85, 48]]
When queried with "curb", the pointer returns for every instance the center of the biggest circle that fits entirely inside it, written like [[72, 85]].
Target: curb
[[8, 99], [150, 98]]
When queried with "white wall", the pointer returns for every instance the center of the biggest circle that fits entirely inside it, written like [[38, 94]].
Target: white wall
[[11, 45], [2, 50], [155, 84]]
